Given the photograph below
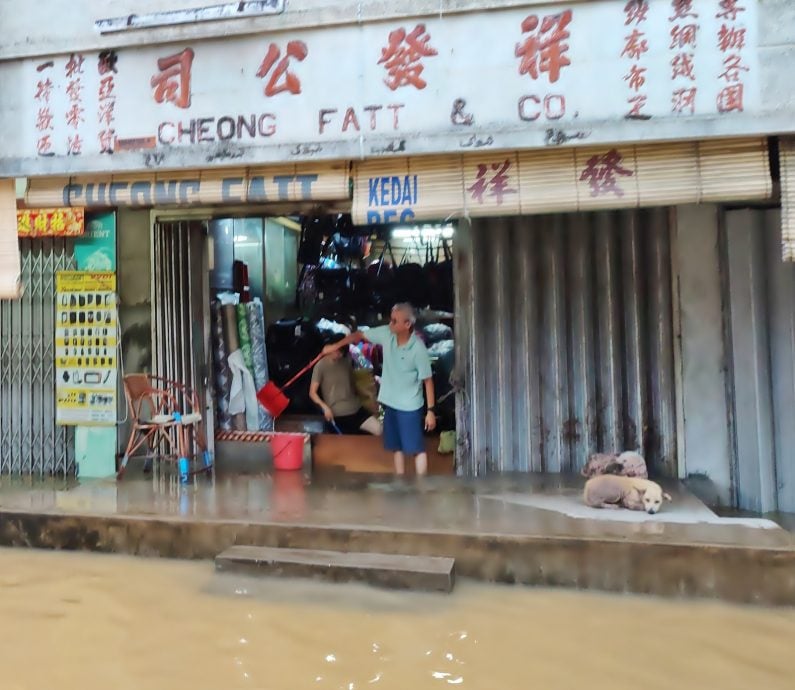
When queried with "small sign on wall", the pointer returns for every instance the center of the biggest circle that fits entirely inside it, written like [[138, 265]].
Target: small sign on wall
[[51, 222], [85, 348]]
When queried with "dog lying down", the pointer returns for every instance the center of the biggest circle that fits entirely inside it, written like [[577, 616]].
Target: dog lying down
[[612, 491], [627, 464]]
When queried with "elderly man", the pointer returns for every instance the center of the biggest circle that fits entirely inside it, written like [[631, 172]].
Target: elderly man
[[406, 371]]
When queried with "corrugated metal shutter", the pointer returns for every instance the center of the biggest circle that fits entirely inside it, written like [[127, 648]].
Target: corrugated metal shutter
[[30, 441], [488, 183], [564, 340], [10, 268], [760, 305], [786, 149]]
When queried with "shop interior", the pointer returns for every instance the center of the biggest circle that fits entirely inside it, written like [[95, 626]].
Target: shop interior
[[283, 287]]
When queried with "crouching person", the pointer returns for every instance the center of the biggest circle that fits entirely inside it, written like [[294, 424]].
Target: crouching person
[[406, 372], [333, 390]]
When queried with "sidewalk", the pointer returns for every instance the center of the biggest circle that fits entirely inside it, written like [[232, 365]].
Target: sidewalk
[[526, 529]]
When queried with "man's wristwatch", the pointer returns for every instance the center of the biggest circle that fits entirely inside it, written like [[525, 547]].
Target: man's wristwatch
[[432, 409]]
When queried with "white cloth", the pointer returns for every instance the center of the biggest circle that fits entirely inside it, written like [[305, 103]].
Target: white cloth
[[243, 393]]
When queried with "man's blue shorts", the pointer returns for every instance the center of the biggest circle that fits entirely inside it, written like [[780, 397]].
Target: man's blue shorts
[[403, 431]]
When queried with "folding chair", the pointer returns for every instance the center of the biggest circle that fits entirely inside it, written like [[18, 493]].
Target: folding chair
[[166, 417]]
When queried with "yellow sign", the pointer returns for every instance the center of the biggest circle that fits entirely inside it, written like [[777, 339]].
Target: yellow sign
[[85, 281], [86, 348]]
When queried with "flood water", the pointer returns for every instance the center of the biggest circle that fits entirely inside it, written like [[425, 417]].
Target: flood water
[[91, 622]]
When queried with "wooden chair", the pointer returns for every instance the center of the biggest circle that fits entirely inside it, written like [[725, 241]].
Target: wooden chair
[[166, 417]]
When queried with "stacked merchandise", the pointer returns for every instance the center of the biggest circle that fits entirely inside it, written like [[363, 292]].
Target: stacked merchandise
[[240, 363], [339, 277]]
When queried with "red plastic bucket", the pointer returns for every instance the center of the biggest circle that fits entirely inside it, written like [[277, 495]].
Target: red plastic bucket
[[288, 451]]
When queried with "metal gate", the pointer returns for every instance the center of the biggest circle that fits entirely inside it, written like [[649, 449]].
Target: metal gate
[[180, 285], [564, 341], [30, 441]]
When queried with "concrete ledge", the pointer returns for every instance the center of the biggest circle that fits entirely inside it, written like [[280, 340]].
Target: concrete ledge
[[426, 573], [738, 574]]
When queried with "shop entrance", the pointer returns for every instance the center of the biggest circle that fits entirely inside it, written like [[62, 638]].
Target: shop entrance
[[272, 292]]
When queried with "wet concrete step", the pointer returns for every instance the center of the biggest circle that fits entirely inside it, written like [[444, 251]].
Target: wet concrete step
[[427, 573]]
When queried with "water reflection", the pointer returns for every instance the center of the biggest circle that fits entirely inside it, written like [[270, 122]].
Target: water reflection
[[113, 622]]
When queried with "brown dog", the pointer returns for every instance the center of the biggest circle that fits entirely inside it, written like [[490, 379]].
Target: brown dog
[[633, 493], [628, 464]]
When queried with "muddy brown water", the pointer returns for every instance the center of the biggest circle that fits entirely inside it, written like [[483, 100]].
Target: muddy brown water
[[90, 622]]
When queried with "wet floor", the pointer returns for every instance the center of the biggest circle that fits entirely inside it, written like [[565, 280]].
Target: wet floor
[[548, 505], [85, 622]]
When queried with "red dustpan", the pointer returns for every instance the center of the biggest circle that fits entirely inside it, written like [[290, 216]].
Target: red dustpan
[[273, 399]]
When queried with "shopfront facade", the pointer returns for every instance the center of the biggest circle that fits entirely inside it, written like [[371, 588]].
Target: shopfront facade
[[621, 201]]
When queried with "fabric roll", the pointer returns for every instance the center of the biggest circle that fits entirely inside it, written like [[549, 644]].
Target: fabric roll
[[243, 396], [245, 337], [222, 376], [232, 343], [256, 328]]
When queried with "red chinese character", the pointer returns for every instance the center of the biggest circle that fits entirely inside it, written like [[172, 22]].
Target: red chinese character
[[43, 90], [730, 38], [173, 82], [731, 99], [636, 77], [74, 90], [545, 49], [402, 62], [106, 87], [730, 10], [74, 116], [682, 66], [635, 46], [682, 9], [291, 83], [600, 173], [682, 36], [107, 138], [74, 146], [734, 66], [74, 65], [106, 62], [105, 112], [684, 99], [44, 145], [498, 183], [638, 103], [636, 11], [44, 119]]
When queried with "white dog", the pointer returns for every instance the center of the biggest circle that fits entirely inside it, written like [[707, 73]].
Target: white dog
[[633, 493]]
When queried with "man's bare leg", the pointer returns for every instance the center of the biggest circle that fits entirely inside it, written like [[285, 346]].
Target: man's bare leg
[[400, 463], [421, 463]]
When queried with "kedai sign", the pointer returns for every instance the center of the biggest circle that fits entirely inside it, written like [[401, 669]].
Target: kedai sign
[[392, 198]]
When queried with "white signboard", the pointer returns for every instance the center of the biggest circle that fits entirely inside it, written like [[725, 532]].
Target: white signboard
[[552, 74]]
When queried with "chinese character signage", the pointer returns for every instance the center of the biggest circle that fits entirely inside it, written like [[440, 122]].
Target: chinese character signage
[[51, 222], [85, 348], [552, 74], [404, 191]]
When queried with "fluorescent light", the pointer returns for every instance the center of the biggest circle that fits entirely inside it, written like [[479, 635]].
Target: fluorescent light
[[423, 232], [231, 10]]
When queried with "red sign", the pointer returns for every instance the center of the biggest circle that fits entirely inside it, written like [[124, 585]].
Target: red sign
[[51, 222]]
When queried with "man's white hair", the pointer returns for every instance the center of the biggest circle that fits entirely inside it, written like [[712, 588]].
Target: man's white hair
[[408, 310]]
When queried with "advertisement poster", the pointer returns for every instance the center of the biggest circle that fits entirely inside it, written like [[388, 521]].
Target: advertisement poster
[[96, 249], [85, 348]]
